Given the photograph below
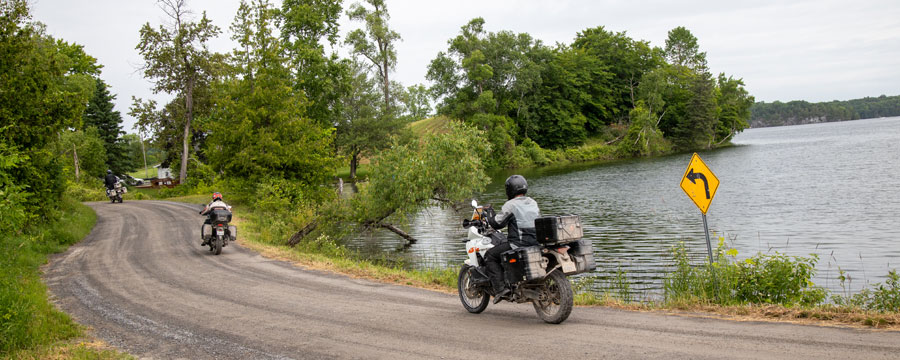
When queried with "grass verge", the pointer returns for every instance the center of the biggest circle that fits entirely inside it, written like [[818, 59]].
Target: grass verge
[[30, 326]]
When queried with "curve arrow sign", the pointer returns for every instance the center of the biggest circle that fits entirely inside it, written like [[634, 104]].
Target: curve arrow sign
[[701, 195], [692, 176]]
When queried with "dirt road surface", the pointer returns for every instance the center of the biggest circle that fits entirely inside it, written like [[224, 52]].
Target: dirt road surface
[[142, 283]]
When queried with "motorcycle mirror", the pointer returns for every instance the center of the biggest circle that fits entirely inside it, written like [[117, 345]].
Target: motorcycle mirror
[[474, 203]]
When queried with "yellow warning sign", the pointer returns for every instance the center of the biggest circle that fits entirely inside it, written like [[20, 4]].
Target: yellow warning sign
[[699, 183]]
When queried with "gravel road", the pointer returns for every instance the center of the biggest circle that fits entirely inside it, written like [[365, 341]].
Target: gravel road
[[142, 283]]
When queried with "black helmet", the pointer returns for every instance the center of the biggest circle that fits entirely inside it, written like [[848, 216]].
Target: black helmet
[[108, 171], [515, 185]]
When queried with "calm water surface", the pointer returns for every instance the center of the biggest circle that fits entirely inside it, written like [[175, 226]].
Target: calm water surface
[[829, 189]]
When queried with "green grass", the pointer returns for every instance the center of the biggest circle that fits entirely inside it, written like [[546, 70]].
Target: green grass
[[29, 324], [362, 172], [430, 125], [144, 173]]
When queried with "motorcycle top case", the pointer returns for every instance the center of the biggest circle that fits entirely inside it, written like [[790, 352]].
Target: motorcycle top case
[[558, 229], [220, 216], [523, 264]]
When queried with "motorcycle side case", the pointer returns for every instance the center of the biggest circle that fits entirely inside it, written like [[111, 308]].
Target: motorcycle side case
[[206, 231], [582, 251], [233, 231], [523, 264]]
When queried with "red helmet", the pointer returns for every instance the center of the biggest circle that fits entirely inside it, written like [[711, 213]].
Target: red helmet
[[217, 196]]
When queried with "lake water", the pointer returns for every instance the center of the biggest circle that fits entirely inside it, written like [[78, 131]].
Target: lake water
[[832, 189]]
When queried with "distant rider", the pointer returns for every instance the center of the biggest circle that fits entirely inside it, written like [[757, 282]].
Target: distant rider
[[216, 203], [518, 214], [110, 180]]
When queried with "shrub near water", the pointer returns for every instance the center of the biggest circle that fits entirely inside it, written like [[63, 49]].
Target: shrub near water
[[761, 279]]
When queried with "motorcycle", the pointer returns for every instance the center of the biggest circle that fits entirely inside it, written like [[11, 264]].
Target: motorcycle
[[536, 274], [218, 232], [115, 194]]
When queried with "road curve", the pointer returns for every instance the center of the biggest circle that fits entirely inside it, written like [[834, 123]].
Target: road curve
[[142, 282]]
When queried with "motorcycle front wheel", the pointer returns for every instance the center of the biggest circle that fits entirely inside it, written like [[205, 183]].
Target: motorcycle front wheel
[[556, 298], [217, 245], [475, 300]]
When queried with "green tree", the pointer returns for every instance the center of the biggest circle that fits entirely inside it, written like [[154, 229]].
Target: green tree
[[259, 130], [442, 168], [416, 103], [682, 49], [178, 60], [683, 94], [83, 153], [108, 122], [361, 131], [733, 108], [375, 43], [44, 93], [305, 26], [624, 61], [643, 138]]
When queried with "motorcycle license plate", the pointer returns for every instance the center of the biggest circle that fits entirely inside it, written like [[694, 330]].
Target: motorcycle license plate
[[220, 231]]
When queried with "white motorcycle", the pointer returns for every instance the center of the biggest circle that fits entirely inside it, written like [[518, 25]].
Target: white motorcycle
[[535, 274]]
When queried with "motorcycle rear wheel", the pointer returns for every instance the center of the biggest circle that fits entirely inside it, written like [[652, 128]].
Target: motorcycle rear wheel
[[475, 300], [217, 245], [556, 301]]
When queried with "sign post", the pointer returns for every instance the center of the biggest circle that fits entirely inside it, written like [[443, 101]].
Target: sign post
[[700, 184]]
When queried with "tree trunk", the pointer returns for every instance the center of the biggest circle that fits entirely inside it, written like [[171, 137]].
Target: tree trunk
[[354, 161], [189, 115], [75, 159], [397, 231], [298, 236], [144, 151]]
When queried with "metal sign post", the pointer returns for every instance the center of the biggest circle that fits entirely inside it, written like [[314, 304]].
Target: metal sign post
[[700, 184]]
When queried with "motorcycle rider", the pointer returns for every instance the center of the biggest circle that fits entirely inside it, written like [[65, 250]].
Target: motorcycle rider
[[110, 180], [216, 203], [518, 213]]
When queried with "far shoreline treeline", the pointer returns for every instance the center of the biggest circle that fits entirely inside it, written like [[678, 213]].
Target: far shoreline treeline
[[800, 112]]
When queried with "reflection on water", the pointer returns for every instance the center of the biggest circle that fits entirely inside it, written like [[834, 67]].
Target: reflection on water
[[829, 189]]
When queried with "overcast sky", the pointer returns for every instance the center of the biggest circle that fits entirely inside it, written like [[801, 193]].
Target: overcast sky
[[817, 50]]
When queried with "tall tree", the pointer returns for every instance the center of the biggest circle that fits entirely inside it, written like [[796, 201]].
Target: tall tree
[[416, 102], [682, 49], [733, 108], [177, 59], [44, 86], [613, 98], [306, 25], [259, 131], [360, 130], [100, 114], [375, 43]]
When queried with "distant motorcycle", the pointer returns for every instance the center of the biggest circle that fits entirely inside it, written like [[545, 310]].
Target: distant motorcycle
[[535, 274], [218, 232], [115, 194]]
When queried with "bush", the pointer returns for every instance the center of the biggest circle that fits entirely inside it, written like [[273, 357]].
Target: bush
[[761, 279], [884, 297], [88, 189]]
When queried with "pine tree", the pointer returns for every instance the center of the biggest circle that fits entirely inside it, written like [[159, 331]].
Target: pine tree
[[100, 114]]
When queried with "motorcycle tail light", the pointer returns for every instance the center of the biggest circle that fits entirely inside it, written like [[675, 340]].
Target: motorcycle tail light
[[512, 261]]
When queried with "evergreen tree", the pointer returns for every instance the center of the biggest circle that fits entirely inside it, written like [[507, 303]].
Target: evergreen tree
[[100, 114]]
